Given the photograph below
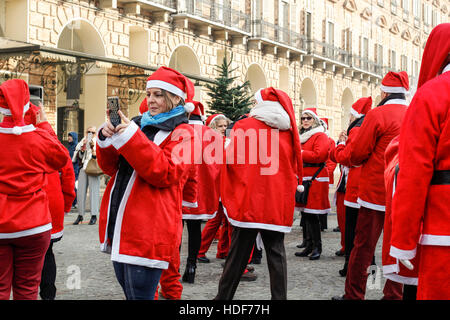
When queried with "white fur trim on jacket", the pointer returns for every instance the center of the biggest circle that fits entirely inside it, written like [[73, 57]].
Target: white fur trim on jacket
[[271, 113], [119, 140], [308, 134], [256, 225], [402, 254], [28, 232], [372, 206]]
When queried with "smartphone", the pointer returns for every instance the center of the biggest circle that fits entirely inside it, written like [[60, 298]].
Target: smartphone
[[114, 107]]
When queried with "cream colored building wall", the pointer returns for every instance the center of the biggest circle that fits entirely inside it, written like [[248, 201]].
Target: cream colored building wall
[[48, 18]]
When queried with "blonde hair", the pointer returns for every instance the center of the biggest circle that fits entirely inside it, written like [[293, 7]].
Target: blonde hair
[[168, 98]]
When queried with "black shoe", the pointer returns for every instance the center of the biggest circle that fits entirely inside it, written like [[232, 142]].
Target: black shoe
[[340, 253], [189, 273], [203, 260], [337, 229], [315, 255], [302, 245], [304, 253], [78, 220], [338, 298], [93, 220], [343, 272]]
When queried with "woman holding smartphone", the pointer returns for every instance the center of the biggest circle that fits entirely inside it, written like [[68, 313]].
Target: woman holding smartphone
[[140, 215]]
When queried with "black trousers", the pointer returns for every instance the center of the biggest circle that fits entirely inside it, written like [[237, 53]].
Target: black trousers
[[48, 276], [194, 239], [351, 217], [242, 241], [311, 226], [409, 292]]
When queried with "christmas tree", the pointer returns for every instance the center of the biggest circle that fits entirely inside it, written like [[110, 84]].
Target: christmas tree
[[232, 101]]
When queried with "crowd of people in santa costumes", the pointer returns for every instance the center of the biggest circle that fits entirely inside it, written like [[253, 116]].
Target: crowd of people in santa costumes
[[315, 152], [26, 221], [421, 203]]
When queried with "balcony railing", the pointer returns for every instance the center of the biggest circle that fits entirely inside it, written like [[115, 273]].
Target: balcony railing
[[166, 3], [329, 51], [267, 30], [367, 65], [210, 10]]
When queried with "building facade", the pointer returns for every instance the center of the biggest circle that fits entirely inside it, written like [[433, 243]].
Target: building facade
[[323, 53]]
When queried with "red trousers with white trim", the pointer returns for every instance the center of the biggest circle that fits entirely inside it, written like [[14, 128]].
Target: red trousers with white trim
[[21, 262]]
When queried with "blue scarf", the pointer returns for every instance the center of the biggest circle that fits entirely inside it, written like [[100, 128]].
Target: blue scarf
[[148, 119]]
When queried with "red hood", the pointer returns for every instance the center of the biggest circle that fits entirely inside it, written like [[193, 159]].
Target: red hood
[[435, 53]]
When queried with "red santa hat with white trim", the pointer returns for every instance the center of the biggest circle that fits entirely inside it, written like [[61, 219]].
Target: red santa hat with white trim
[[312, 112], [15, 102], [280, 97], [174, 82], [361, 107], [199, 110], [212, 117], [143, 107], [395, 82]]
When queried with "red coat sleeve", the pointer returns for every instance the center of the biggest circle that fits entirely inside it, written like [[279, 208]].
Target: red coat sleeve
[[320, 150], [366, 139], [68, 185], [341, 153], [158, 166], [190, 190]]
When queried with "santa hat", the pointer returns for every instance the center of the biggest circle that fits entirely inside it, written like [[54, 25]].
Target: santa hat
[[312, 112], [361, 107], [435, 53], [199, 110], [174, 82], [212, 117], [14, 102], [280, 97], [395, 82], [325, 120], [143, 107]]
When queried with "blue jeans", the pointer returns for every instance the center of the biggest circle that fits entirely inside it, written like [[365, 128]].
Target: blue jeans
[[137, 282]]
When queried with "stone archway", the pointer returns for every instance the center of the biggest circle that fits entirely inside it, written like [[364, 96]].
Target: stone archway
[[308, 95], [184, 59], [255, 75], [81, 36], [346, 103]]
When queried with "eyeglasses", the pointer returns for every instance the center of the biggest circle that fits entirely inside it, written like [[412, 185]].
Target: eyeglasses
[[93, 132], [306, 118]]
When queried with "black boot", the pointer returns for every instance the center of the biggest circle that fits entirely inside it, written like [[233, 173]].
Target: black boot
[[343, 271], [315, 255], [308, 249], [93, 220], [189, 273], [78, 220]]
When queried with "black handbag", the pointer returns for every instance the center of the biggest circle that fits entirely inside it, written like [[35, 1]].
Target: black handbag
[[302, 197]]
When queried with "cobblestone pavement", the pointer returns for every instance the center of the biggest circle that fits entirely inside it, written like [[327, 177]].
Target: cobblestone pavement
[[78, 256]]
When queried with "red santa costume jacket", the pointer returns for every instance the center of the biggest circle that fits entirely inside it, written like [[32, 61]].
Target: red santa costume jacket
[[315, 150], [60, 187], [423, 154], [29, 154], [209, 145], [148, 224], [380, 126], [341, 153], [258, 191], [392, 269]]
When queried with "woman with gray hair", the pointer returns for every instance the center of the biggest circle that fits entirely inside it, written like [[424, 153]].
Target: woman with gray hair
[[315, 147]]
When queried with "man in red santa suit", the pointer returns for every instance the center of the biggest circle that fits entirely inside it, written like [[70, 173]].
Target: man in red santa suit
[[349, 181], [380, 126], [421, 204], [258, 194], [25, 222]]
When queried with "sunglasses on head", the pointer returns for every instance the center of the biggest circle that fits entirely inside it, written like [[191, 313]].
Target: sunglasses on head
[[306, 118]]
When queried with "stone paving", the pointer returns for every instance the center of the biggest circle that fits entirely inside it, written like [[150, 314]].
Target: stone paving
[[78, 257]]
